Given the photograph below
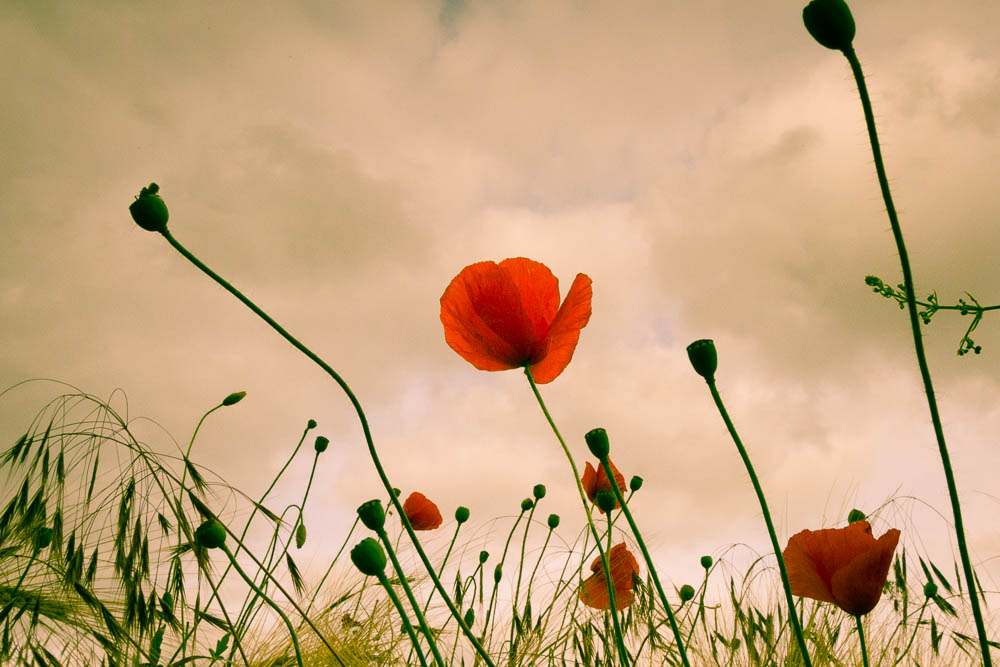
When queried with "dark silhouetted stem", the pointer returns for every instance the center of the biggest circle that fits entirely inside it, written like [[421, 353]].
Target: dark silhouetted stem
[[402, 614], [918, 344], [861, 638]]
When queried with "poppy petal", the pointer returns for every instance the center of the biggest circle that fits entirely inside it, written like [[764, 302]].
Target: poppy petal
[[539, 290], [421, 512], [564, 332], [804, 578], [858, 586], [594, 592], [589, 482], [484, 320]]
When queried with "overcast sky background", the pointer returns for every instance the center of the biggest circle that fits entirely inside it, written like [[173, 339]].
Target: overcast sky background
[[706, 164]]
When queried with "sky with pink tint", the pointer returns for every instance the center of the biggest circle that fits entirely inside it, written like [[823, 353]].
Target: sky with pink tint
[[706, 164]]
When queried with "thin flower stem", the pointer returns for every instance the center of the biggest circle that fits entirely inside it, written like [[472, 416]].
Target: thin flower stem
[[796, 625], [402, 614], [237, 644], [319, 586], [364, 427], [496, 584], [918, 344], [861, 638], [916, 626], [590, 519]]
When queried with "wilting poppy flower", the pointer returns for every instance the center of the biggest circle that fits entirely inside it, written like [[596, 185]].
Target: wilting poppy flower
[[422, 513], [507, 315], [595, 480], [623, 566], [845, 566]]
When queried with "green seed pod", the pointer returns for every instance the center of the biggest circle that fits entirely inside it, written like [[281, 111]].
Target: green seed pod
[[830, 23], [311, 424], [497, 574], [704, 358], [210, 534], [527, 504], [930, 589], [706, 562], [470, 617], [233, 398], [300, 535], [321, 444], [553, 521], [372, 515], [149, 211], [462, 514], [538, 491], [686, 592], [44, 538], [606, 500], [368, 556], [856, 515], [635, 483], [483, 555], [597, 442]]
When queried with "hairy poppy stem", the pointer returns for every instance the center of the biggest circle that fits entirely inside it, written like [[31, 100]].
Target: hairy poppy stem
[[402, 614], [918, 344], [796, 625], [861, 638], [590, 520], [364, 427], [606, 464]]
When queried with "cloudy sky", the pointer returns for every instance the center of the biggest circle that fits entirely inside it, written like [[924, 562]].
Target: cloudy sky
[[706, 164]]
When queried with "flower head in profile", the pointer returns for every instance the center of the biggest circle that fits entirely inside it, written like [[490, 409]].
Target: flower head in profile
[[422, 513], [623, 567], [507, 315], [845, 566], [595, 480]]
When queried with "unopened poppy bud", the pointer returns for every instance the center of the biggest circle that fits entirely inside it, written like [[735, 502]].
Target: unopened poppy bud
[[527, 504], [300, 536], [210, 534], [483, 555], [372, 515], [553, 521], [830, 23], [148, 210], [704, 357], [930, 589], [321, 444], [311, 424], [706, 562], [233, 398], [686, 592], [368, 556], [606, 500], [462, 514], [855, 516], [497, 574], [538, 491], [470, 617], [597, 442], [44, 538], [635, 483], [396, 492]]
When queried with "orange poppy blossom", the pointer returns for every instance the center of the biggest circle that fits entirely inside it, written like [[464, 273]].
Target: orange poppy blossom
[[507, 315], [594, 480], [623, 567], [845, 566], [422, 513]]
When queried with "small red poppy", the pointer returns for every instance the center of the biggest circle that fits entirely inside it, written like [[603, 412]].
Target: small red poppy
[[507, 315], [845, 566], [595, 480], [422, 513], [623, 567]]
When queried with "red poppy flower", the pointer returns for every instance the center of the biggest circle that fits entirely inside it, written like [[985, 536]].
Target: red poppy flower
[[422, 513], [507, 315], [845, 566], [595, 480], [623, 567]]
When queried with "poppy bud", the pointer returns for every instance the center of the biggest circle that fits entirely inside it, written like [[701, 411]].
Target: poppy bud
[[321, 444], [462, 514], [210, 534], [706, 562], [372, 515], [233, 398], [686, 592], [300, 536], [470, 617], [704, 358], [830, 23], [553, 521], [855, 516], [538, 492], [527, 504], [483, 555], [635, 483], [597, 441], [605, 500], [497, 574], [368, 556], [44, 538], [148, 210], [311, 424], [930, 589]]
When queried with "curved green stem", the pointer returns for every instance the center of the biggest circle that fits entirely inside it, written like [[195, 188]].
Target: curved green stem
[[918, 344], [364, 427], [796, 625], [402, 614], [861, 638]]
